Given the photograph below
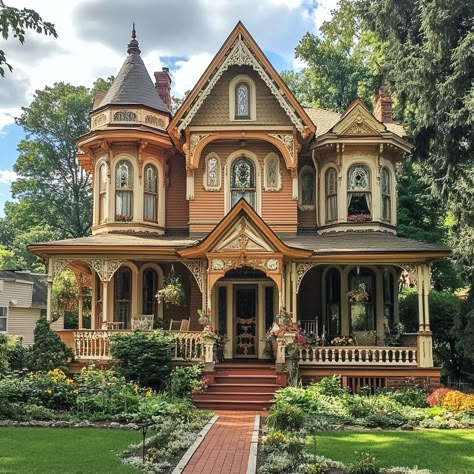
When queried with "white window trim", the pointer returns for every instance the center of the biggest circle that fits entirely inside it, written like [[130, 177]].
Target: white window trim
[[370, 189], [219, 177], [266, 187], [233, 84], [302, 207], [390, 194], [258, 179], [161, 209], [6, 318], [326, 195], [117, 160]]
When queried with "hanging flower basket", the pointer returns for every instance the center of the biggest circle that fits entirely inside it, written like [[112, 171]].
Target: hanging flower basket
[[172, 291], [358, 295], [204, 317]]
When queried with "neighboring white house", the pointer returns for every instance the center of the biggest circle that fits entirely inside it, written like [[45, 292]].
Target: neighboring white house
[[22, 302]]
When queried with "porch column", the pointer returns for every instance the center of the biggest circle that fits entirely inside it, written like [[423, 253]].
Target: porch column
[[424, 339], [294, 306], [379, 307], [105, 303], [93, 300], [80, 307]]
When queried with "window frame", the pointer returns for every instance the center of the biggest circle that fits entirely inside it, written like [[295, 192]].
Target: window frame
[[234, 83], [236, 92], [253, 189], [206, 184], [129, 301], [386, 196], [5, 317], [367, 191], [306, 207], [329, 196], [102, 205], [266, 185], [130, 189], [150, 193]]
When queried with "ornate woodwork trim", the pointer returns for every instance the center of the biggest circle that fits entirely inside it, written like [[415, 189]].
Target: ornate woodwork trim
[[301, 270], [241, 55], [104, 267], [195, 140], [59, 265], [196, 267], [287, 140]]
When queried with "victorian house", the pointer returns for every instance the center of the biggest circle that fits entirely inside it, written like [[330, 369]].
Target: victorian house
[[254, 203]]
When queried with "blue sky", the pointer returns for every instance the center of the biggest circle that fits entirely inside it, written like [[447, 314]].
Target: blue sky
[[183, 35]]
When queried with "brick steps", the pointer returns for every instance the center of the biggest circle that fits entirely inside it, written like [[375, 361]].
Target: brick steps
[[239, 386]]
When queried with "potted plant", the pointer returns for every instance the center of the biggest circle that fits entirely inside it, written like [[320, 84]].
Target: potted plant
[[359, 218], [204, 316], [172, 291], [123, 218]]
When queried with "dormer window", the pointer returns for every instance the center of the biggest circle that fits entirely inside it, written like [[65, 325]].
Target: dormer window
[[150, 193], [123, 191], [242, 101], [358, 194], [386, 195]]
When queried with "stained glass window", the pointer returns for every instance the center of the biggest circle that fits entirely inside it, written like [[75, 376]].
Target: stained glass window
[[242, 181], [272, 172], [212, 172], [307, 187], [386, 195], [242, 100], [123, 191], [358, 194], [331, 194], [150, 196]]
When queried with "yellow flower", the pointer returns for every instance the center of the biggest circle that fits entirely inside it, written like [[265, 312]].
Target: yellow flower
[[148, 393], [50, 392], [135, 389]]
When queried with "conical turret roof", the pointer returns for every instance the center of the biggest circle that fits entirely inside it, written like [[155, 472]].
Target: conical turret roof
[[133, 85]]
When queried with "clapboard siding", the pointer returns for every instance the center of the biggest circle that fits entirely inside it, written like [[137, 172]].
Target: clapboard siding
[[306, 220], [18, 291], [177, 207], [279, 210]]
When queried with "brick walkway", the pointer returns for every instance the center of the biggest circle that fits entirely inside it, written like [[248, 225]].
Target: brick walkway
[[226, 447]]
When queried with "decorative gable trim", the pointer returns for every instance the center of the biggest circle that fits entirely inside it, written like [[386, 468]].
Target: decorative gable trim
[[240, 55], [357, 120]]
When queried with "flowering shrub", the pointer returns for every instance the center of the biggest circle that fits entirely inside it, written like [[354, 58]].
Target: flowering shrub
[[436, 398], [359, 218], [458, 401], [51, 389]]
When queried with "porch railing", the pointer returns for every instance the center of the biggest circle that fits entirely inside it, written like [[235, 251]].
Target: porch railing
[[358, 355], [95, 345]]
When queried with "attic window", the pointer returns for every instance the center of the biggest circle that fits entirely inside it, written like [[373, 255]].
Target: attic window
[[242, 101], [241, 98]]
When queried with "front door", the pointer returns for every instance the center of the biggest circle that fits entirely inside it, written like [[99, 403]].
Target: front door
[[245, 321]]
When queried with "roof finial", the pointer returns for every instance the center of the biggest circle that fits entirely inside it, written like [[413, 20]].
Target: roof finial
[[133, 45]]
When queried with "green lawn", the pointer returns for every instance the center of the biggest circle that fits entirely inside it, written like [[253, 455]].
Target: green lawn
[[62, 450], [445, 451]]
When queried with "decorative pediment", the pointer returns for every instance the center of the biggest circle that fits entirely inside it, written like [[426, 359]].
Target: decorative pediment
[[357, 120], [240, 49], [243, 237]]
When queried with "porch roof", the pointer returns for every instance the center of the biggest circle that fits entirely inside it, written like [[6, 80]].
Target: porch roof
[[370, 242]]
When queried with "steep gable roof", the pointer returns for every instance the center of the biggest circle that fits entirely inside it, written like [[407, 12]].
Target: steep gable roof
[[241, 49], [133, 85]]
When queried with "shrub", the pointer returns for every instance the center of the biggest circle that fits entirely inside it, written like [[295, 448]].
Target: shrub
[[285, 417], [458, 401], [184, 379], [51, 389], [412, 396], [331, 386], [436, 398], [48, 351], [364, 464], [17, 355], [358, 407], [144, 357]]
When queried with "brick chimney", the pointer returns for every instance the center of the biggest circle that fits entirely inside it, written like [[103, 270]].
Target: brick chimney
[[383, 106], [99, 95], [163, 86]]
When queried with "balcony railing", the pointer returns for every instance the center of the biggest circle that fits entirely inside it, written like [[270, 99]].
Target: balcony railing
[[359, 355]]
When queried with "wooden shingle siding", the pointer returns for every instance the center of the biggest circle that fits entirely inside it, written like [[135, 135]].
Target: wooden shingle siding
[[215, 109], [278, 208], [177, 207]]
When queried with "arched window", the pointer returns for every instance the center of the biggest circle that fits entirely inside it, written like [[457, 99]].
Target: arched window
[[123, 191], [150, 193], [386, 195], [242, 101], [272, 172], [331, 195], [333, 302], [242, 181], [358, 194], [150, 288], [102, 192], [123, 296], [362, 299], [307, 193]]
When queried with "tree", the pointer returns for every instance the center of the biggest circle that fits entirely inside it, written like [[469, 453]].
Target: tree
[[429, 66], [14, 21], [48, 351]]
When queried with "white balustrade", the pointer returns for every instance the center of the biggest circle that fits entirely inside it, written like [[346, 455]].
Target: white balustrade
[[95, 345], [358, 355]]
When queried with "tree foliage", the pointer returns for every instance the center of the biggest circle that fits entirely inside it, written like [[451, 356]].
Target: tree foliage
[[14, 22]]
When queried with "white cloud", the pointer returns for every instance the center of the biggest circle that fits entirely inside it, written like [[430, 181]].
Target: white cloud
[[7, 176], [188, 72]]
